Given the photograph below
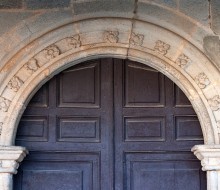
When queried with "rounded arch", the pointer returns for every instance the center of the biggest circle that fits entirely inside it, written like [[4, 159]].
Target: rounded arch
[[124, 38]]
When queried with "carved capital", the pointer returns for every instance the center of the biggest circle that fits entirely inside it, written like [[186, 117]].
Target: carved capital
[[209, 156], [10, 157]]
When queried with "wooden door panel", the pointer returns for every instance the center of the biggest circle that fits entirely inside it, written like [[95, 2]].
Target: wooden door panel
[[187, 128], [49, 171], [161, 171], [33, 128], [80, 86], [40, 99], [152, 91], [180, 100], [143, 129], [79, 129]]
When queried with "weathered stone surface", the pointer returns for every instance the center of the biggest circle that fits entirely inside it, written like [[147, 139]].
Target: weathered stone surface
[[212, 48], [197, 9], [12, 19], [90, 7], [162, 16], [10, 4], [169, 3], [45, 4], [215, 16]]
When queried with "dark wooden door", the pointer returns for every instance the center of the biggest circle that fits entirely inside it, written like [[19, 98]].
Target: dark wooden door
[[109, 124]]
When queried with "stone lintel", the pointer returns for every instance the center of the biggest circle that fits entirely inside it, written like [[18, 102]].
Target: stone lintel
[[10, 157], [209, 156]]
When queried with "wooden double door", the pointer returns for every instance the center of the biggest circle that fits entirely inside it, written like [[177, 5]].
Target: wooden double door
[[109, 124]]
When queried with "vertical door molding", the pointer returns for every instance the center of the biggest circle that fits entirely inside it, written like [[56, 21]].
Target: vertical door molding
[[210, 160], [10, 157]]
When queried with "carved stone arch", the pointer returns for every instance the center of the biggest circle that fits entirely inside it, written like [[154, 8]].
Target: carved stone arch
[[141, 41]]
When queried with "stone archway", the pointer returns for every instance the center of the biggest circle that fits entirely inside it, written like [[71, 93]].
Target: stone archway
[[37, 61]]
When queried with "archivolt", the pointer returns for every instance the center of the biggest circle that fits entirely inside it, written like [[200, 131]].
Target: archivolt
[[75, 42]]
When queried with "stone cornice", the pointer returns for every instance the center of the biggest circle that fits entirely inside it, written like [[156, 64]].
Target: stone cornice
[[209, 156], [10, 157]]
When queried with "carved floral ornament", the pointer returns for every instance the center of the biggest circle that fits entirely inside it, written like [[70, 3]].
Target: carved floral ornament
[[15, 83], [182, 60], [136, 39], [161, 47], [111, 36], [31, 66], [74, 41], [202, 80], [4, 104], [51, 52], [214, 103]]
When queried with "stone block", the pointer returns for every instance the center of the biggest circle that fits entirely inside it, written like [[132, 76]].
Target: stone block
[[45, 4], [10, 4], [11, 19], [116, 6], [169, 3], [215, 16], [211, 46], [165, 18], [197, 9]]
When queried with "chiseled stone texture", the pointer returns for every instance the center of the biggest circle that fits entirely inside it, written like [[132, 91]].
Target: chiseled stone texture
[[10, 4], [197, 9], [212, 48], [45, 4], [215, 16]]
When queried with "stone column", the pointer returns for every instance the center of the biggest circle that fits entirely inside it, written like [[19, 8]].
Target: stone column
[[10, 157], [210, 160]]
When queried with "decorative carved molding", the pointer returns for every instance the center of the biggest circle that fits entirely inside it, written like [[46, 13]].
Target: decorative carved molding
[[4, 104], [51, 52], [1, 124], [172, 71], [214, 103], [218, 125], [202, 80], [15, 83], [31, 66], [161, 47], [111, 36], [182, 60], [136, 39], [74, 41]]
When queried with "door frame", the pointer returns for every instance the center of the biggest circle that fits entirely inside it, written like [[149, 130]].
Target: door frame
[[39, 60]]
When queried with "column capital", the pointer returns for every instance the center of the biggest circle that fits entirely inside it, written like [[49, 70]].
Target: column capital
[[10, 157], [209, 156]]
